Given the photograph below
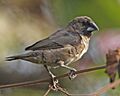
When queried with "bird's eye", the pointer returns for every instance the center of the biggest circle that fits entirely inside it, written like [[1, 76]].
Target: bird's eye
[[84, 23]]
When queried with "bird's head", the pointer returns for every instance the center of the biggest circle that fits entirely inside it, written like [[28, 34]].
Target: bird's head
[[83, 25]]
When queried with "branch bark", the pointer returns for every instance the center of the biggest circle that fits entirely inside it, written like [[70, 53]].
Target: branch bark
[[29, 83]]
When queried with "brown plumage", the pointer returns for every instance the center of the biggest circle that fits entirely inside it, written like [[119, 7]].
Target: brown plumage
[[63, 47]]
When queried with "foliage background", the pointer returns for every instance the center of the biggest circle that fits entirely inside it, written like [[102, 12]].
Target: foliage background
[[23, 22]]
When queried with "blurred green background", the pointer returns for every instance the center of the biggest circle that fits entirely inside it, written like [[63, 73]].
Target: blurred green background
[[23, 22]]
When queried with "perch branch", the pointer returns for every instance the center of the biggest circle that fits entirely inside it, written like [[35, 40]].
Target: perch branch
[[29, 83]]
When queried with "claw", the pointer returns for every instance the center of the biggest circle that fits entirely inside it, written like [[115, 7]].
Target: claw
[[72, 74], [54, 83]]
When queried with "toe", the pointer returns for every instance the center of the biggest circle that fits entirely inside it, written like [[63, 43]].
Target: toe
[[54, 83], [72, 74]]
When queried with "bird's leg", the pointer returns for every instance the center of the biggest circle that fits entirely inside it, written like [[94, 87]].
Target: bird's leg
[[54, 81], [72, 74]]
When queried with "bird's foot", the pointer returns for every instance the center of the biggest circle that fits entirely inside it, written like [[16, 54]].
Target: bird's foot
[[54, 83], [72, 74]]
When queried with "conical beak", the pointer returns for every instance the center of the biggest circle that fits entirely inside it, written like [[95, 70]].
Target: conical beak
[[92, 27]]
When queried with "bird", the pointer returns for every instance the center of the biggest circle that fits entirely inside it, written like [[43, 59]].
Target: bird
[[63, 47]]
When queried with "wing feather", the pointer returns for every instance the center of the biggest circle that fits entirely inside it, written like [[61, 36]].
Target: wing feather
[[57, 40]]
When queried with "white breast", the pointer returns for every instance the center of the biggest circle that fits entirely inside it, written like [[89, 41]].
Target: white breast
[[84, 41]]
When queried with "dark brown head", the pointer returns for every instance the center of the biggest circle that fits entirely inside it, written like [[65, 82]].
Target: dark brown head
[[83, 25]]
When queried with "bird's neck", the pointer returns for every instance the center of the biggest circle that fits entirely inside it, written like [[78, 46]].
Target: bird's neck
[[87, 34]]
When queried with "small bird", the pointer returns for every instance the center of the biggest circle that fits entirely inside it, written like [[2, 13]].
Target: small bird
[[62, 48]]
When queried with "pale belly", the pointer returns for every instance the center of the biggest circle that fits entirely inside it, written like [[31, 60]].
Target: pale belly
[[78, 56]]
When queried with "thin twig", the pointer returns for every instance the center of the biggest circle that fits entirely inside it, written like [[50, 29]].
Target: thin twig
[[96, 93], [83, 71], [106, 88], [28, 83], [46, 93], [63, 91]]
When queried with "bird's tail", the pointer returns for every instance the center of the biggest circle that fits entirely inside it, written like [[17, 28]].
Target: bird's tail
[[29, 56], [14, 57], [22, 56]]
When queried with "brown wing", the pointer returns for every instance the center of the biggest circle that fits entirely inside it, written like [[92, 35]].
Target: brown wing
[[57, 40]]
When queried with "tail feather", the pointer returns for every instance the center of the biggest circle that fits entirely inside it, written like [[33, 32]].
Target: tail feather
[[22, 56], [13, 58], [26, 56]]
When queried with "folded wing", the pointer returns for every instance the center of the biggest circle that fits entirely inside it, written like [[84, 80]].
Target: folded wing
[[57, 40]]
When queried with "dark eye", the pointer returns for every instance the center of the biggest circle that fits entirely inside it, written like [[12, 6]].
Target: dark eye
[[85, 23]]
